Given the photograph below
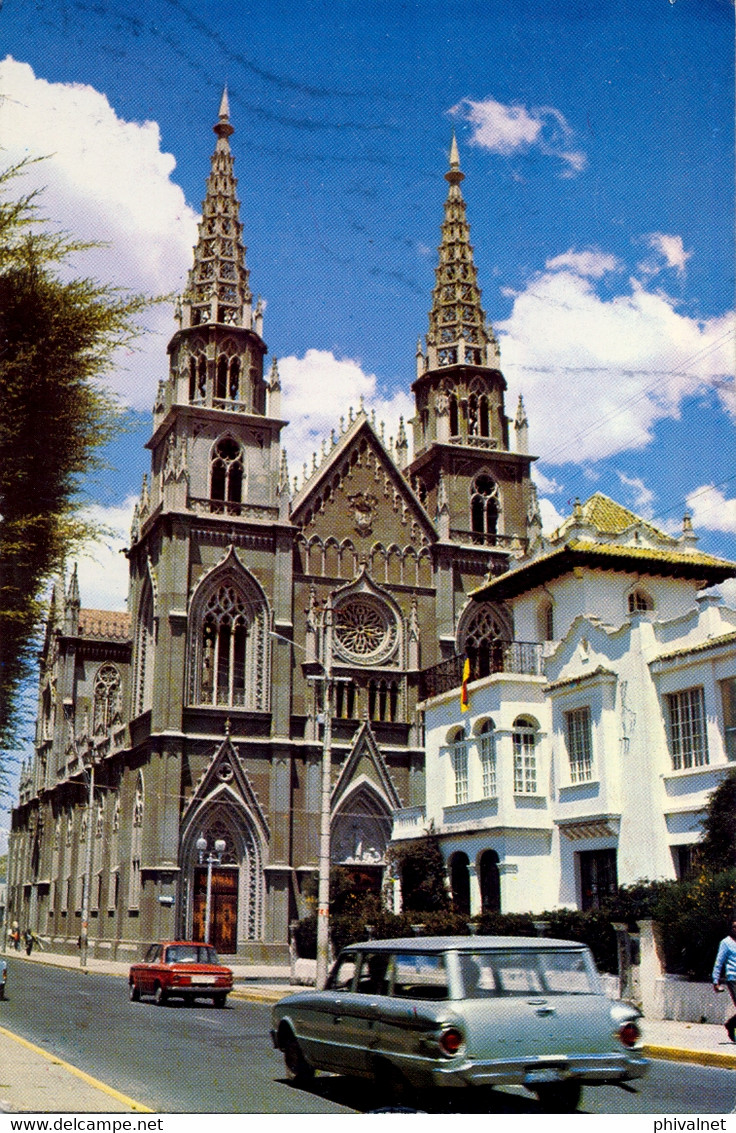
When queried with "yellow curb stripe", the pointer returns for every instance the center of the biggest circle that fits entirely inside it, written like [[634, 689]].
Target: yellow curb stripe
[[681, 1054], [138, 1107]]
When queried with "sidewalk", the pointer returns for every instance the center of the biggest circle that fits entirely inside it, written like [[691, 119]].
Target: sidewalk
[[34, 1081]]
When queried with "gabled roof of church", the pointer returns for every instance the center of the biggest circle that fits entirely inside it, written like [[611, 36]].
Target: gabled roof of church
[[360, 426], [365, 748]]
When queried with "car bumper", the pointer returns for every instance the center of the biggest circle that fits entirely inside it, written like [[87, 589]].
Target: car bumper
[[590, 1068]]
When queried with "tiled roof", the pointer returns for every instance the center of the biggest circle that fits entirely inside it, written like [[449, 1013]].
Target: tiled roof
[[711, 643], [611, 518], [605, 556], [684, 558], [109, 624]]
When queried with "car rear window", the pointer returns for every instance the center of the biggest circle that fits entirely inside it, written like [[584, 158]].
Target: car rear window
[[191, 954], [492, 974]]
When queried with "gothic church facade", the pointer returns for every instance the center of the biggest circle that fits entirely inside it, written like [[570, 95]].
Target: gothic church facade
[[200, 709]]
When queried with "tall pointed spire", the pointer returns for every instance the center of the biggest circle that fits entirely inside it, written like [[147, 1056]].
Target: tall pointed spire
[[218, 289], [457, 322]]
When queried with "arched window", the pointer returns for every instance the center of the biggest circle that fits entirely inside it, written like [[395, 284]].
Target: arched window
[[487, 753], [484, 508], [145, 643], [460, 883], [226, 471], [478, 421], [545, 620], [227, 382], [224, 637], [106, 707], [345, 700], [454, 417], [136, 844], [525, 756], [197, 373], [490, 882], [486, 641], [639, 601], [459, 756]]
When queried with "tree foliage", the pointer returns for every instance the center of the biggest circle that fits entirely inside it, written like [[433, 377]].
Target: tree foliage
[[58, 336], [421, 867], [717, 850]]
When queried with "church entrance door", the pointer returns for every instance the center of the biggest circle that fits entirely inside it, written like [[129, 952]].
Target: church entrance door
[[223, 907]]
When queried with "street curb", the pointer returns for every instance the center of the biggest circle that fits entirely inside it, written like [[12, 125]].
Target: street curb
[[96, 1083], [682, 1054]]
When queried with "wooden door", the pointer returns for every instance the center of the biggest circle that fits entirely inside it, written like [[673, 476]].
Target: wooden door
[[223, 907]]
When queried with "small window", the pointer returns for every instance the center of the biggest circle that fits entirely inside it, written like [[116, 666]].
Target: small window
[[639, 601], [487, 752], [459, 755], [525, 758], [687, 736], [728, 696], [373, 979], [579, 745]]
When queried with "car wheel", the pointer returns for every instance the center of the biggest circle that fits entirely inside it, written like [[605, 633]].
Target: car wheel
[[135, 992], [160, 995], [219, 1000], [2, 991], [562, 1097], [296, 1064]]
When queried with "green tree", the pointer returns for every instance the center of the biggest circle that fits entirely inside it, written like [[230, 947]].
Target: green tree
[[421, 868], [58, 336], [717, 850]]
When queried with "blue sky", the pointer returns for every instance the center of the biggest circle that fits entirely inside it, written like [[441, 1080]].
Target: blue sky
[[597, 142]]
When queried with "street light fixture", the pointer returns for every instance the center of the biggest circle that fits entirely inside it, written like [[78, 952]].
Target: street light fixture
[[212, 858]]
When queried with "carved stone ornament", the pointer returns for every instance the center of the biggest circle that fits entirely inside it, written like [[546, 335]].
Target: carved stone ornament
[[364, 511]]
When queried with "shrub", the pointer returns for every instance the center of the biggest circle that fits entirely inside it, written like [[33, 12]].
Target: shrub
[[693, 917]]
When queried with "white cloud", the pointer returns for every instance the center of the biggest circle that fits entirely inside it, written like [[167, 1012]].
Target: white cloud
[[591, 263], [711, 510], [545, 483], [512, 128], [597, 374], [102, 568], [551, 517], [668, 252], [317, 389], [643, 497], [104, 179]]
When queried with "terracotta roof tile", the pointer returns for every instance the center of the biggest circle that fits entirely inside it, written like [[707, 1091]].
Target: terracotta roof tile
[[711, 643], [110, 624]]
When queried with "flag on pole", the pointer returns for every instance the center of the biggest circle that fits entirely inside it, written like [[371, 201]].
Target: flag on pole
[[464, 687]]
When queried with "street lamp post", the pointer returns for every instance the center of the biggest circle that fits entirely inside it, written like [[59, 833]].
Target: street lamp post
[[212, 858], [323, 870]]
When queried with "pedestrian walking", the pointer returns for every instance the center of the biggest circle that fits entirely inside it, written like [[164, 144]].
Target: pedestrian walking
[[724, 971], [15, 936], [29, 938]]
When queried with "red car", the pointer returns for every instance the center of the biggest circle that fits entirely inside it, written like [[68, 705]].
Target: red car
[[181, 969]]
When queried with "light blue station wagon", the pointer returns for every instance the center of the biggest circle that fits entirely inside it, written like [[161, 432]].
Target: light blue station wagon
[[464, 1011]]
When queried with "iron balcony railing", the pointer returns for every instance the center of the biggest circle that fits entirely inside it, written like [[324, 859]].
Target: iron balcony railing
[[523, 657]]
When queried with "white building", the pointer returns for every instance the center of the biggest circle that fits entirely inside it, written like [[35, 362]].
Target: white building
[[597, 725]]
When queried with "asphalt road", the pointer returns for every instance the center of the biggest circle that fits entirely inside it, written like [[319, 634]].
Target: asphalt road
[[198, 1059]]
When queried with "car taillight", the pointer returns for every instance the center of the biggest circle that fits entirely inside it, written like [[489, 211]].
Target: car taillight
[[450, 1041], [629, 1034]]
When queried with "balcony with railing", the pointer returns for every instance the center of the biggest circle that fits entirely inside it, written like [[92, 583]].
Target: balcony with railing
[[521, 657], [486, 539]]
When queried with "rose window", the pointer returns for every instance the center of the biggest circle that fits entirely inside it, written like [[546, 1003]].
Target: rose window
[[365, 631]]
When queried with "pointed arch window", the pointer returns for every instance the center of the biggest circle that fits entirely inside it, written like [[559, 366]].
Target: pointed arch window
[[224, 643], [136, 845], [106, 697], [145, 643], [226, 471], [197, 373], [546, 620], [486, 640], [227, 382], [454, 416], [478, 417], [484, 508]]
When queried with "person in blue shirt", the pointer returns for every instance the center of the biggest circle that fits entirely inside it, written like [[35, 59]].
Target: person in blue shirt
[[725, 966]]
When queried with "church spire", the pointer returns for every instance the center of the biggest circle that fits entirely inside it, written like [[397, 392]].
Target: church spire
[[218, 289], [457, 324]]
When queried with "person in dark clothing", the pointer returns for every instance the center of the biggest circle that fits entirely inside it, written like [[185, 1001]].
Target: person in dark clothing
[[725, 965]]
